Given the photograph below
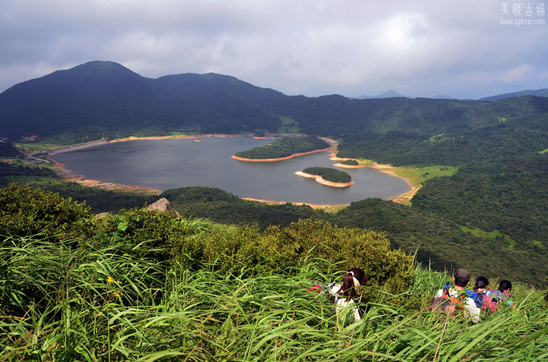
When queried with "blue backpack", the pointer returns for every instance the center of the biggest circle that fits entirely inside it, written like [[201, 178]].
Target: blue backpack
[[476, 297]]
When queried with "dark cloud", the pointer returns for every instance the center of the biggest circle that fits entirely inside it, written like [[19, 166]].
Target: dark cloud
[[350, 47]]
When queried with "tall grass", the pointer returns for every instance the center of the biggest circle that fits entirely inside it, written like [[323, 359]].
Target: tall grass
[[103, 305]]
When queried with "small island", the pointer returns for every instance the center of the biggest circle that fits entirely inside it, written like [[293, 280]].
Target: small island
[[283, 149], [327, 176], [349, 162], [346, 162]]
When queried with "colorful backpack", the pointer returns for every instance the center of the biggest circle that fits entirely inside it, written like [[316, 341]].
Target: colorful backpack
[[446, 304], [478, 298], [493, 299]]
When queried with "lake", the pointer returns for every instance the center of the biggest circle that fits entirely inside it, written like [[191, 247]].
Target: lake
[[173, 163]]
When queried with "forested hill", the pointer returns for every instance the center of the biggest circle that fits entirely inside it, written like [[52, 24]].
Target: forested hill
[[537, 93], [100, 98]]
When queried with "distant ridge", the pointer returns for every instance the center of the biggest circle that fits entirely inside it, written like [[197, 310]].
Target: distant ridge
[[388, 94], [102, 99], [441, 96], [537, 93]]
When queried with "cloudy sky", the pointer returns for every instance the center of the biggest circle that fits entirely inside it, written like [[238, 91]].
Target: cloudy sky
[[460, 48]]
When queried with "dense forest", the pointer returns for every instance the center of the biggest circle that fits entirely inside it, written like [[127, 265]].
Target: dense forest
[[284, 147], [329, 174], [8, 150]]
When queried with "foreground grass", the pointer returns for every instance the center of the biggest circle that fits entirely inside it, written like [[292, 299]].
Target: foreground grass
[[104, 305]]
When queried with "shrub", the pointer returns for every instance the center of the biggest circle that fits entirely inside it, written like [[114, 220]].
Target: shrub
[[282, 249], [25, 211]]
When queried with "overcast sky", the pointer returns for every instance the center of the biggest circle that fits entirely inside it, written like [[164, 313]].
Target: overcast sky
[[426, 48]]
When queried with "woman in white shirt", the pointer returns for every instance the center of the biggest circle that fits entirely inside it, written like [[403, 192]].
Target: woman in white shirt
[[345, 293]]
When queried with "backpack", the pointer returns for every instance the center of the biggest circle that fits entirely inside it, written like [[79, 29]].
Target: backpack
[[446, 304], [476, 297], [494, 299]]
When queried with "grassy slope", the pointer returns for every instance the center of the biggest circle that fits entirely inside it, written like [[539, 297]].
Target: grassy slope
[[204, 316]]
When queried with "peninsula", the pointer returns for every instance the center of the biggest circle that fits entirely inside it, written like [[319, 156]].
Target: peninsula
[[283, 149]]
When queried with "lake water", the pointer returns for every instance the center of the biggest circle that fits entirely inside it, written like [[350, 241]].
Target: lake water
[[168, 164]]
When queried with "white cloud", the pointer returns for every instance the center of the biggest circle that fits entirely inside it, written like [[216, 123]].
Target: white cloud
[[351, 47]]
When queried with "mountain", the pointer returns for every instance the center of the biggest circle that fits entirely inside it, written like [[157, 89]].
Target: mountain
[[388, 94], [537, 93], [102, 98]]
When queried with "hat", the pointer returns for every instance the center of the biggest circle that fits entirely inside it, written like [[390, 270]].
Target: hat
[[462, 273]]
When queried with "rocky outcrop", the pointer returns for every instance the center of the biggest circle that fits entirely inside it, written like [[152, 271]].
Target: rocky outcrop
[[163, 205]]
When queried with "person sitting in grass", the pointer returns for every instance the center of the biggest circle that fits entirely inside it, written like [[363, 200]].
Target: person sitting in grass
[[345, 293], [461, 279], [499, 297]]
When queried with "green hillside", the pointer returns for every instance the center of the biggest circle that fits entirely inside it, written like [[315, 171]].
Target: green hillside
[[142, 285], [104, 99]]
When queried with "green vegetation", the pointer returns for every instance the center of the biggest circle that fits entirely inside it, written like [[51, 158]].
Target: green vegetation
[[223, 207], [490, 235], [46, 179], [350, 162], [38, 146], [416, 176], [285, 147], [438, 138], [329, 174], [143, 285], [436, 241], [288, 125]]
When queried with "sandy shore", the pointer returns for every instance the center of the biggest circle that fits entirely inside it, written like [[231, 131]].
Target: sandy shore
[[405, 197], [342, 165], [65, 174], [320, 180], [314, 206]]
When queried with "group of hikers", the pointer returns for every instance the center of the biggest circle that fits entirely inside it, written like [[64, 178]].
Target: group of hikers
[[452, 299]]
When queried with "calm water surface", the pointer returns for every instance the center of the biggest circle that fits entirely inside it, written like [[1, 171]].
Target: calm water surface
[[168, 164]]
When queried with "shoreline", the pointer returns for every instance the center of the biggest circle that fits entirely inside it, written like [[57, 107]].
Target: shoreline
[[342, 165], [320, 180], [406, 196], [68, 176], [388, 169], [280, 158], [314, 206]]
